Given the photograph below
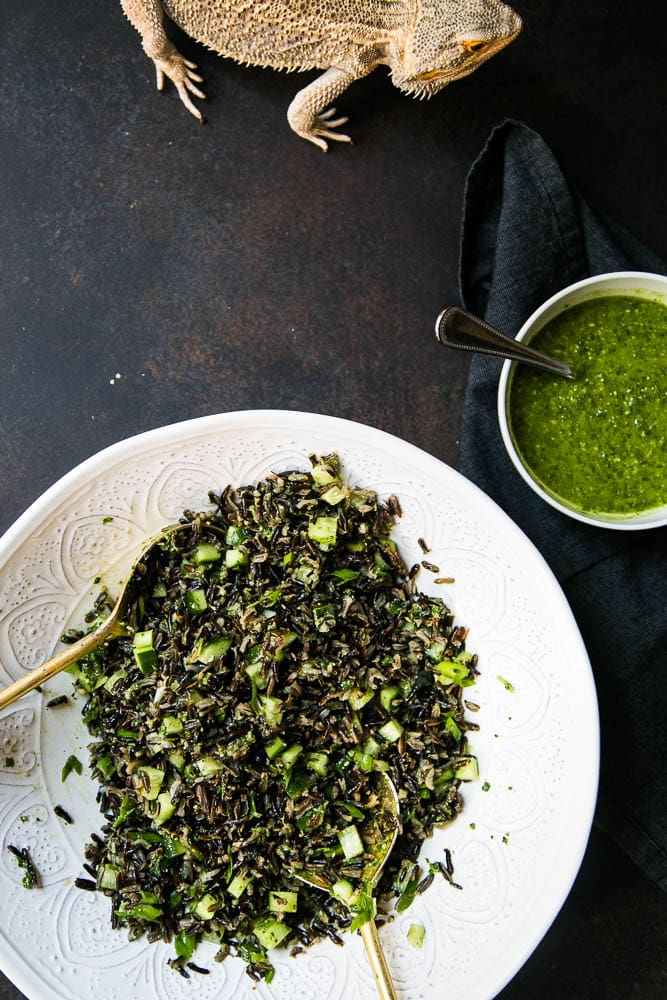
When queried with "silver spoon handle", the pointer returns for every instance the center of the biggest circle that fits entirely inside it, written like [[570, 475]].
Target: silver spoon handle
[[465, 332]]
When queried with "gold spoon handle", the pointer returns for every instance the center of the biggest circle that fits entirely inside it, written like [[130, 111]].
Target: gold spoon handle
[[58, 662], [378, 963]]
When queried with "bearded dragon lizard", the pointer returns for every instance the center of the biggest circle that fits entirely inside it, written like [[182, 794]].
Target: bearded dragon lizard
[[425, 43]]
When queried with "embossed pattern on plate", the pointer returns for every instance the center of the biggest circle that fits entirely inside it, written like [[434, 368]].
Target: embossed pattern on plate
[[516, 847]]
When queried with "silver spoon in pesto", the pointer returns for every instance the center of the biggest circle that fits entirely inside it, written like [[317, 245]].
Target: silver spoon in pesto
[[379, 838], [461, 330]]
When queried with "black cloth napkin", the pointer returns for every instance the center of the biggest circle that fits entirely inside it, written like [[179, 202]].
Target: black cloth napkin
[[526, 234]]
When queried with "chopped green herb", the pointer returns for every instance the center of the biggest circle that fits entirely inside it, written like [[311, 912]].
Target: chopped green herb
[[71, 764], [486, 786], [31, 879], [505, 683], [363, 907]]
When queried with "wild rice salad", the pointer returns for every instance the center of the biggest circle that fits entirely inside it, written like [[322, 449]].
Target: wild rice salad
[[277, 659]]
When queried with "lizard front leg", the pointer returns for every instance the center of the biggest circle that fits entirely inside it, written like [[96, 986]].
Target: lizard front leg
[[146, 16], [306, 113]]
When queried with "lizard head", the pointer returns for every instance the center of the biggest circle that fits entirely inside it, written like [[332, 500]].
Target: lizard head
[[450, 39]]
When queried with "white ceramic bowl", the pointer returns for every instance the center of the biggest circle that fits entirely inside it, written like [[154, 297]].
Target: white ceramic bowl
[[635, 283]]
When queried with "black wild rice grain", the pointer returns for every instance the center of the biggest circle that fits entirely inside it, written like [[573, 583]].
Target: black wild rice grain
[[63, 814], [85, 883], [62, 699]]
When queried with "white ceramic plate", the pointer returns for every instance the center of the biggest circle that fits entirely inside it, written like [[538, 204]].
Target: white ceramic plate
[[516, 847]]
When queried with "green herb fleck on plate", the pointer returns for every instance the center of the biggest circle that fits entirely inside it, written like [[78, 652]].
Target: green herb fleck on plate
[[71, 764]]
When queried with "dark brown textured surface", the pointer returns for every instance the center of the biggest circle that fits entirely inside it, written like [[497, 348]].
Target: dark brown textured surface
[[231, 266]]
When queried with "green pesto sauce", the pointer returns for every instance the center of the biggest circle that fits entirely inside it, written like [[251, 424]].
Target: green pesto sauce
[[598, 443]]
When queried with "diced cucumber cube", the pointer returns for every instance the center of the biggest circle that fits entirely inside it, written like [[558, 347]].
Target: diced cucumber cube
[[109, 877], [305, 573], [387, 696], [322, 475], [235, 559], [416, 935], [195, 601], [165, 808], [208, 766], [290, 755], [239, 884], [275, 747], [435, 650], [144, 651], [391, 731], [323, 531], [276, 643], [363, 760], [451, 672], [343, 890], [235, 535], [149, 781], [283, 901], [357, 699], [296, 781], [468, 771], [351, 842], [210, 651], [205, 908], [271, 709], [270, 932], [171, 724], [257, 673], [206, 553], [334, 495], [317, 762], [177, 760]]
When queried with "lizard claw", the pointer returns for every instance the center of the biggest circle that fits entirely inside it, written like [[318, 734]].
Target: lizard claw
[[310, 115], [181, 73], [321, 127]]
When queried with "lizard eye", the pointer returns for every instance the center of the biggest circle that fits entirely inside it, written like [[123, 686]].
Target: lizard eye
[[477, 46]]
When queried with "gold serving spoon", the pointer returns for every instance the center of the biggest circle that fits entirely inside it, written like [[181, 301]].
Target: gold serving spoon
[[388, 823], [110, 628]]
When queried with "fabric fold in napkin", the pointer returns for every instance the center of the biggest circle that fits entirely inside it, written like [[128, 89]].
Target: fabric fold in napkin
[[526, 234]]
